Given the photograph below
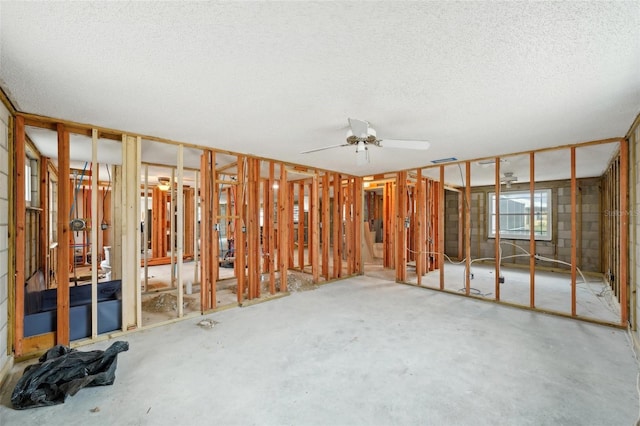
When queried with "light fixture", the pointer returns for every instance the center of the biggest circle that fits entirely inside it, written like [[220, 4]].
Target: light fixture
[[508, 179], [362, 153], [164, 183]]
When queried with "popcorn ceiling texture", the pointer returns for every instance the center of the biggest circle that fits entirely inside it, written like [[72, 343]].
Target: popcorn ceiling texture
[[274, 79]]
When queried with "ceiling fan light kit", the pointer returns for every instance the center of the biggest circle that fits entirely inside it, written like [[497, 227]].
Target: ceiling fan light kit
[[508, 179]]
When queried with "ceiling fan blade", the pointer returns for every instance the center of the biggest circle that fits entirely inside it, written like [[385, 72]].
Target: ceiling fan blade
[[359, 128], [323, 148], [404, 144]]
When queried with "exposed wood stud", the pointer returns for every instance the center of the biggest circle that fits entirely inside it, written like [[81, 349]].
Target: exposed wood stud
[[283, 228], [401, 230], [419, 244], [358, 223], [19, 239], [301, 226], [337, 225], [253, 228], [573, 231], [326, 229], [271, 234], [290, 225], [240, 229], [180, 234], [624, 232], [94, 233], [314, 243], [467, 228], [64, 206], [441, 212], [497, 227], [532, 236]]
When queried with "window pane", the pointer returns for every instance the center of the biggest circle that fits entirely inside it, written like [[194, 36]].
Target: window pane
[[515, 214]]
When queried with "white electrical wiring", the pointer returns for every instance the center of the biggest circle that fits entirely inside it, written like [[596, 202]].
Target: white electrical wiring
[[606, 303]]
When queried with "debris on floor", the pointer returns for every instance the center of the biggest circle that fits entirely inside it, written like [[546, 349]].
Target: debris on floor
[[167, 302], [296, 281], [206, 323], [64, 371]]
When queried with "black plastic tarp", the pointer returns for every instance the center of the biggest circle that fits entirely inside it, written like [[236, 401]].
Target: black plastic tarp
[[63, 371]]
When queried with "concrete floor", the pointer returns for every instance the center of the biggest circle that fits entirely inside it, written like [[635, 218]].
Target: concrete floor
[[363, 351], [594, 298]]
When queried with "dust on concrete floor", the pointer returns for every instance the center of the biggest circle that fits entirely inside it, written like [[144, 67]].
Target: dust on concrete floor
[[362, 351], [162, 304]]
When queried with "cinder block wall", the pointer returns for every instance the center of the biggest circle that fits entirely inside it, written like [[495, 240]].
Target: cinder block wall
[[4, 236], [558, 248]]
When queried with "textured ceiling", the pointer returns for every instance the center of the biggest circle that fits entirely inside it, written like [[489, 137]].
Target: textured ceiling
[[274, 79]]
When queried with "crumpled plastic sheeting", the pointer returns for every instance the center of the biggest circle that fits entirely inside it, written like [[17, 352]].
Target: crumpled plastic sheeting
[[63, 371]]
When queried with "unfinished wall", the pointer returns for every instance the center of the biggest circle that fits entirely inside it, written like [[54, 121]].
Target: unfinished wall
[[4, 235], [558, 248], [451, 224], [634, 229]]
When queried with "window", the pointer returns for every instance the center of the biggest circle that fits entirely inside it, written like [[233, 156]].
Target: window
[[515, 214]]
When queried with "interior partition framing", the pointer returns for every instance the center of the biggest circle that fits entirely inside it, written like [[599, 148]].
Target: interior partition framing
[[258, 190], [613, 213]]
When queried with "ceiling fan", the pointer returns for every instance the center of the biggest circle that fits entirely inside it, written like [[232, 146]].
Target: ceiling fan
[[508, 179], [362, 135]]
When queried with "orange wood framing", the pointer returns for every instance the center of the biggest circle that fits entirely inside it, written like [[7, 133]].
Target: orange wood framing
[[208, 247], [301, 225], [532, 236], [20, 238], [401, 230], [64, 206], [440, 215], [270, 231], [357, 226], [314, 243], [337, 225], [326, 229], [283, 228], [467, 228], [574, 191], [240, 229], [253, 227], [498, 184], [624, 231], [419, 225]]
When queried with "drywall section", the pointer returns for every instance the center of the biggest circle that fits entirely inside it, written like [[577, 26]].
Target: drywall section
[[4, 237], [559, 247]]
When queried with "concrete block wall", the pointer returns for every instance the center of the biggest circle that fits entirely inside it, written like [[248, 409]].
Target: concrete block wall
[[4, 236], [559, 247], [451, 224]]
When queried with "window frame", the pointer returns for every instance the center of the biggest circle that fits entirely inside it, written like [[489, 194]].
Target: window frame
[[548, 236]]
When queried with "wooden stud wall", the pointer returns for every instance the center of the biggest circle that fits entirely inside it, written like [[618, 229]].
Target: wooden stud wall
[[284, 218], [532, 236], [208, 236], [325, 224], [401, 208], [335, 201], [20, 216], [64, 206]]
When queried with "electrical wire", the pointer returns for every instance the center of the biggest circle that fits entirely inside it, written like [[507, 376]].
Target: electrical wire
[[598, 296], [104, 196]]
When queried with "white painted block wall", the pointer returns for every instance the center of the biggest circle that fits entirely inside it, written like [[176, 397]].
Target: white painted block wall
[[4, 233]]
